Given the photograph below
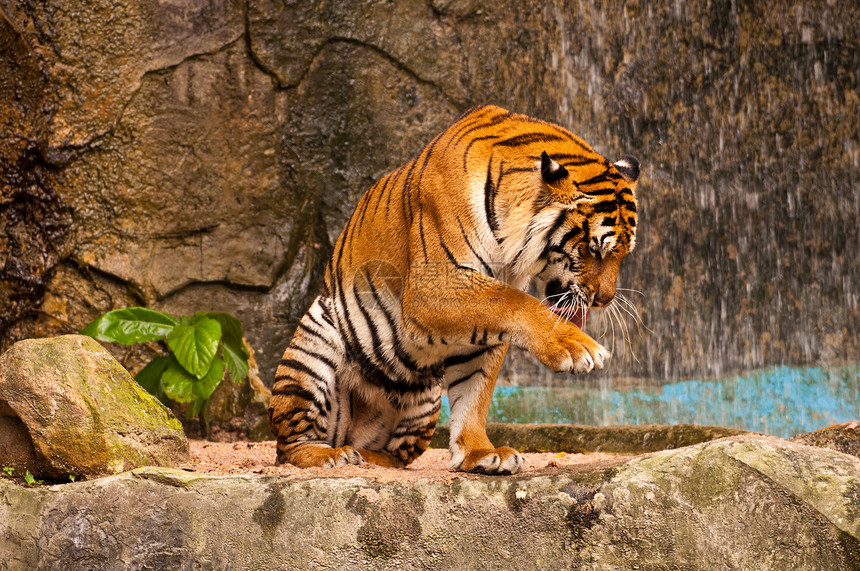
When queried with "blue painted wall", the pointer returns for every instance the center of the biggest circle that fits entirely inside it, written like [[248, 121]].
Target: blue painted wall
[[781, 401]]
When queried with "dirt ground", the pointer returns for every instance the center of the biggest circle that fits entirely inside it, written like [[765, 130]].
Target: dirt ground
[[258, 458]]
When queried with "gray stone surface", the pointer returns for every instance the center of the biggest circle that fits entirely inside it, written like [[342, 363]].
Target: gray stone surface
[[205, 155], [742, 503], [746, 503], [68, 408]]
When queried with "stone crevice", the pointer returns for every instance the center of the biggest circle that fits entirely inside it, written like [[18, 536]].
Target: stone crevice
[[156, 71], [809, 501], [232, 286], [334, 39], [249, 48]]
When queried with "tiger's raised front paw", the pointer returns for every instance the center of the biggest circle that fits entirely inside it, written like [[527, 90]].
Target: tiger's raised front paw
[[568, 349], [502, 460]]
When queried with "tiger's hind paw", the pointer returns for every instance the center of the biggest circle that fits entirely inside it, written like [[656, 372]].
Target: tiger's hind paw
[[498, 461], [322, 456], [344, 456]]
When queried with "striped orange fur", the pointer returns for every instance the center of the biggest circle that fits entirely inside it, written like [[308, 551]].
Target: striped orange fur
[[424, 292]]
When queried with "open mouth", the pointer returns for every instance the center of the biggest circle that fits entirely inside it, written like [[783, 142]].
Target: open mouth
[[576, 316]]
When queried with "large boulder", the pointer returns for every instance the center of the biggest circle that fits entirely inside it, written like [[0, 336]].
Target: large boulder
[[748, 502], [69, 408]]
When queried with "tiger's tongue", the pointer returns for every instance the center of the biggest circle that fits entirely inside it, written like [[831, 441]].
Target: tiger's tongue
[[577, 317]]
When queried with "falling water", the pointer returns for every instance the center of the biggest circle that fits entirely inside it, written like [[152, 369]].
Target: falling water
[[747, 259]]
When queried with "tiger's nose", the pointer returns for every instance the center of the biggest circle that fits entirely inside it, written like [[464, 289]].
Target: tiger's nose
[[600, 304], [603, 297]]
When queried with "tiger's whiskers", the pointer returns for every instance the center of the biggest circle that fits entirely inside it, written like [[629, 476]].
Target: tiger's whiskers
[[619, 312]]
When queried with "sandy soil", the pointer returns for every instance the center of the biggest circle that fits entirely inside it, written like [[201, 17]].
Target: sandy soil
[[258, 458]]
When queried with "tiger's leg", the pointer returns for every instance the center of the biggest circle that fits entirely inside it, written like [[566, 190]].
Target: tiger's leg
[[305, 411], [470, 389], [394, 429], [482, 308], [416, 424]]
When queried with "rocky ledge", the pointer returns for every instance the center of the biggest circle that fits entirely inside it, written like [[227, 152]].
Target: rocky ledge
[[743, 502]]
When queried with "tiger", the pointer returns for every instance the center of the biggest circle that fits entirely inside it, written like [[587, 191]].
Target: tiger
[[426, 288]]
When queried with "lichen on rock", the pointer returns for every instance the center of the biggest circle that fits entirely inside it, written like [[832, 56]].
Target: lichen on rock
[[83, 412]]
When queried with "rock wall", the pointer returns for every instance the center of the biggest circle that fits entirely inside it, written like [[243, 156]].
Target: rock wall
[[205, 155]]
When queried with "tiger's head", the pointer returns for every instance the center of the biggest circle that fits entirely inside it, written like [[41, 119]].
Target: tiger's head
[[591, 211]]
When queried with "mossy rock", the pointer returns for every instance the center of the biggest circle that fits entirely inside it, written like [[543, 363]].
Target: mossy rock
[[82, 412], [583, 439]]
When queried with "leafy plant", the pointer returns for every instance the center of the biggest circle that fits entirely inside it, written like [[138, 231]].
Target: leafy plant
[[200, 347], [9, 470]]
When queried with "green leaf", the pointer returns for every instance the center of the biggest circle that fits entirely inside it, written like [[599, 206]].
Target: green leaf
[[131, 325], [150, 378], [194, 408], [178, 383], [232, 349], [194, 345], [204, 388], [236, 363], [28, 477], [182, 386]]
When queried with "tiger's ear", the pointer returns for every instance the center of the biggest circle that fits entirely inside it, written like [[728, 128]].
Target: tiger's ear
[[551, 171], [628, 166]]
